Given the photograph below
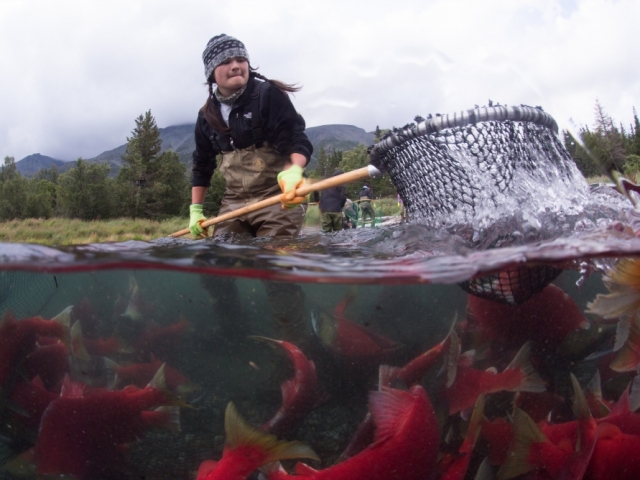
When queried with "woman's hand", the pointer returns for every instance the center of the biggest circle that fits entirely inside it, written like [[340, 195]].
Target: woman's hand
[[289, 180]]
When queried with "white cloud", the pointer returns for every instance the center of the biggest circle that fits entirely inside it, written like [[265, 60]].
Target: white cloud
[[77, 74]]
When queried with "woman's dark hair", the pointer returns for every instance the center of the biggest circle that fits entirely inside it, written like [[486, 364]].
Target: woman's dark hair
[[211, 109]]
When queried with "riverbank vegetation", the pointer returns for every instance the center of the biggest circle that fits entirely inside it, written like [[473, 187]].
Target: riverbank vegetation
[[149, 196]]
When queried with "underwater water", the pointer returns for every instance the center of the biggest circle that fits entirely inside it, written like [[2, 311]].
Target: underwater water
[[349, 302]]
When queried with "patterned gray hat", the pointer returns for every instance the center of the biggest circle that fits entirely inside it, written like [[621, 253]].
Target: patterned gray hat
[[219, 49]]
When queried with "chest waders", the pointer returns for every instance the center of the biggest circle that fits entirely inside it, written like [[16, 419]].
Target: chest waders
[[251, 175]]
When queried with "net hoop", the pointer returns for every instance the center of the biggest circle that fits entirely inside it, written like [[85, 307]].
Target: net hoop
[[523, 113]]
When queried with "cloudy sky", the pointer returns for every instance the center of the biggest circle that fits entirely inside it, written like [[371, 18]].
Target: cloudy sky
[[75, 74]]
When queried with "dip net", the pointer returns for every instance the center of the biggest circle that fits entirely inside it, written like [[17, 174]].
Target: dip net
[[476, 167]]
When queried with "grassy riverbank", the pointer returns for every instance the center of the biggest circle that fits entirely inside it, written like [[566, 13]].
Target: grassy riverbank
[[64, 231]]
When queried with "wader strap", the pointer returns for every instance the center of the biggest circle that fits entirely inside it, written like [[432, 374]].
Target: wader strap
[[256, 118]]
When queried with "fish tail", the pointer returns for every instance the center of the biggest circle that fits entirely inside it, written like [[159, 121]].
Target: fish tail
[[386, 375], [525, 433], [240, 433], [173, 418], [530, 381]]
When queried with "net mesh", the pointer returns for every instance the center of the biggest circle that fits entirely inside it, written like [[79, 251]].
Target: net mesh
[[461, 163], [26, 294], [514, 285], [478, 166]]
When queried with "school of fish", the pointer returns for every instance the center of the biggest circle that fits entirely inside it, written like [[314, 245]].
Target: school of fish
[[540, 390]]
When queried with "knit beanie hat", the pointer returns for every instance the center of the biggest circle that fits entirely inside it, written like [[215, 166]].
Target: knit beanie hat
[[220, 48]]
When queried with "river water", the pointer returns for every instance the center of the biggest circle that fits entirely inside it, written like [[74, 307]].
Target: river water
[[404, 284]]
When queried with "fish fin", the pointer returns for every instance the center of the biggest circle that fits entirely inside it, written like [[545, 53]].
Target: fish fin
[[239, 432], [476, 417], [206, 468], [623, 327], [269, 341], [628, 357], [467, 359], [389, 408], [349, 297], [623, 405], [304, 469], [450, 436], [580, 406], [531, 381], [484, 472], [453, 357], [64, 317], [614, 305], [525, 433], [22, 466], [173, 423], [324, 326], [77, 343], [159, 380], [111, 369], [594, 387], [37, 382], [71, 389], [386, 375], [270, 469]]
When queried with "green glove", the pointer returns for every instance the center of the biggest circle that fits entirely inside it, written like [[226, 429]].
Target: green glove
[[195, 219], [289, 180]]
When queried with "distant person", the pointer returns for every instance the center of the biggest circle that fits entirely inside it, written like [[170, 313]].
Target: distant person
[[350, 211], [365, 196], [249, 121], [331, 202]]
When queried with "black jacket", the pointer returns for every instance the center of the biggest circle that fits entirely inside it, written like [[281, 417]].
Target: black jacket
[[333, 199], [283, 130], [366, 192]]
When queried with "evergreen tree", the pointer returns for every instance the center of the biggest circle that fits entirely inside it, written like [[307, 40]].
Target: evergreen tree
[[85, 191], [321, 167], [150, 184], [41, 198], [585, 162], [635, 135], [358, 158], [13, 191], [607, 143], [333, 163]]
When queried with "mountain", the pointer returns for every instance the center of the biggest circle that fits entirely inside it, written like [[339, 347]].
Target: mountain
[[179, 138], [32, 164]]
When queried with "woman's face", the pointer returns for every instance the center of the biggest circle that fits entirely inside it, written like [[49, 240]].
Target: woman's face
[[231, 75]]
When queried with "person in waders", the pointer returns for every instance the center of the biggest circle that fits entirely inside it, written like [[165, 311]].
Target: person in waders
[[250, 122]]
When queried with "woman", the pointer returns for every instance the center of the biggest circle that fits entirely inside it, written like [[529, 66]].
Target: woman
[[250, 121], [260, 156]]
